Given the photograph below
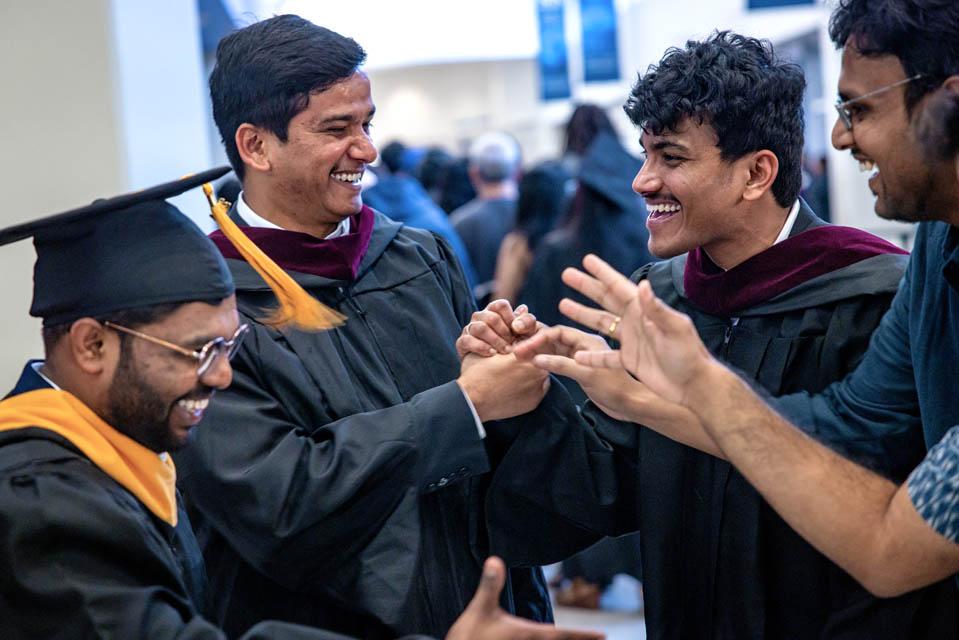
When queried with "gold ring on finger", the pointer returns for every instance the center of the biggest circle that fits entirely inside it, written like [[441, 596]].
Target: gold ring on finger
[[614, 325]]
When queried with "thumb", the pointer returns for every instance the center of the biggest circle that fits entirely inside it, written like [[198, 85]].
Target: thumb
[[486, 599], [662, 316]]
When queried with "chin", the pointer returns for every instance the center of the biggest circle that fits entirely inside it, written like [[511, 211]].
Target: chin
[[665, 250]]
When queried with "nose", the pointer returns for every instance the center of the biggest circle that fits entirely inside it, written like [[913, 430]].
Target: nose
[[363, 149], [646, 181], [220, 373], [841, 137]]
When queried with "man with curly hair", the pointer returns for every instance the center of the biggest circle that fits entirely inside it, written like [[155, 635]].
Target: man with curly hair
[[773, 291], [899, 115]]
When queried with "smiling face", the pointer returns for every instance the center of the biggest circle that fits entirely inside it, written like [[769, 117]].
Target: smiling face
[[317, 171], [693, 196], [882, 139], [155, 396]]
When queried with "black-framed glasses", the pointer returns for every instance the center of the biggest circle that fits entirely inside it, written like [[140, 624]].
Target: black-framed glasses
[[205, 356], [842, 106]]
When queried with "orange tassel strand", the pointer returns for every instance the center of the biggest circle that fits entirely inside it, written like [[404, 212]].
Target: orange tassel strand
[[297, 307]]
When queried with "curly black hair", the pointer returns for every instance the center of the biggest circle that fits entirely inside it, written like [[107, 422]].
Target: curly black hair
[[737, 85], [265, 73], [921, 33]]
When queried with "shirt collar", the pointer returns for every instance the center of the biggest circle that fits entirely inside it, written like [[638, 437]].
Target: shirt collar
[[790, 222], [36, 368], [252, 219]]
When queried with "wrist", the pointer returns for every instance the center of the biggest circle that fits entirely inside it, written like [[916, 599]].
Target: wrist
[[475, 397], [709, 384]]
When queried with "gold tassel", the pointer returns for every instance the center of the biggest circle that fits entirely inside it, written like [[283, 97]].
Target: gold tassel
[[297, 307]]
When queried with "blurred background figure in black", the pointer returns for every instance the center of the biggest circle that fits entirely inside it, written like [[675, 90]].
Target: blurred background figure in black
[[433, 170], [544, 195], [457, 189]]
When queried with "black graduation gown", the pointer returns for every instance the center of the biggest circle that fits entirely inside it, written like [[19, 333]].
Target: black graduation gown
[[335, 482], [718, 562], [81, 557]]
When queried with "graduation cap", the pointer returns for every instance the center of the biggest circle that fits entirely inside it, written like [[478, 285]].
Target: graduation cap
[[137, 250]]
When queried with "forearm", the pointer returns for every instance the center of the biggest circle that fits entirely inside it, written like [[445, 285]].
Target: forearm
[[838, 506], [676, 423]]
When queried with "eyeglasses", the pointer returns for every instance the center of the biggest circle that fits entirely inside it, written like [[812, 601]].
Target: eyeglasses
[[205, 356], [842, 107]]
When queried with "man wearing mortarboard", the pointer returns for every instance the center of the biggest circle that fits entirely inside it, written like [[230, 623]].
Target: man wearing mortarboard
[[336, 481], [138, 330]]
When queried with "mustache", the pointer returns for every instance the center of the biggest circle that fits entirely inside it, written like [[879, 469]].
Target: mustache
[[202, 392]]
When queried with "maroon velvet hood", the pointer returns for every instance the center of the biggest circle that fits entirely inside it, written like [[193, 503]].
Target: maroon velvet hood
[[336, 259]]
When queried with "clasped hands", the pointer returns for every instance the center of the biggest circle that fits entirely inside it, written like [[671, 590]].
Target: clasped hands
[[647, 380]]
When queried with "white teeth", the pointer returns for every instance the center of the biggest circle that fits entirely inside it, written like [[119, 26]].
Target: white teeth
[[352, 178], [866, 165], [663, 208], [194, 406]]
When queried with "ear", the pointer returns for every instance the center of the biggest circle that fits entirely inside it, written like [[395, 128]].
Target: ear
[[91, 346], [952, 84], [763, 169], [253, 144]]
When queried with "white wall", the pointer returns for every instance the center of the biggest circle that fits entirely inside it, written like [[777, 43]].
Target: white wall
[[89, 110], [63, 148]]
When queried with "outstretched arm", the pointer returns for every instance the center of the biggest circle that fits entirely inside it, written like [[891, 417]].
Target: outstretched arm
[[860, 520]]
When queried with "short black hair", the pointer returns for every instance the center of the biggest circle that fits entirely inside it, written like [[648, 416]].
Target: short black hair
[[265, 73], [737, 85], [921, 33]]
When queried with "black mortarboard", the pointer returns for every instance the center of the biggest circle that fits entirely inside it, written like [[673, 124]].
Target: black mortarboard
[[130, 251]]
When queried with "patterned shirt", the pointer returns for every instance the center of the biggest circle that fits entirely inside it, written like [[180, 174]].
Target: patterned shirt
[[934, 486]]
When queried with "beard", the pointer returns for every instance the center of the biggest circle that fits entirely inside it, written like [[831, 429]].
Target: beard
[[916, 203], [136, 409]]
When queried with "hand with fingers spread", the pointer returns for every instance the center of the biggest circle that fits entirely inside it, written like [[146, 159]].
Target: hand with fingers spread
[[483, 618], [659, 345], [500, 386], [494, 329], [553, 350]]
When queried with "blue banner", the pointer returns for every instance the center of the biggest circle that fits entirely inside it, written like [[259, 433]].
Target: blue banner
[[600, 52], [553, 64]]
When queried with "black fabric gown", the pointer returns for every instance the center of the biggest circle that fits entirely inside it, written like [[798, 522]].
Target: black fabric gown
[[82, 558], [718, 562], [335, 482]]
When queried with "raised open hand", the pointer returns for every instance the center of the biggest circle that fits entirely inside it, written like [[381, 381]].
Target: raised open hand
[[659, 345]]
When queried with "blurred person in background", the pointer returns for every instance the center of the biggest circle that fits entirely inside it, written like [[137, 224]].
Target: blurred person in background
[[544, 195], [432, 171], [457, 188], [583, 126], [494, 165], [401, 196]]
